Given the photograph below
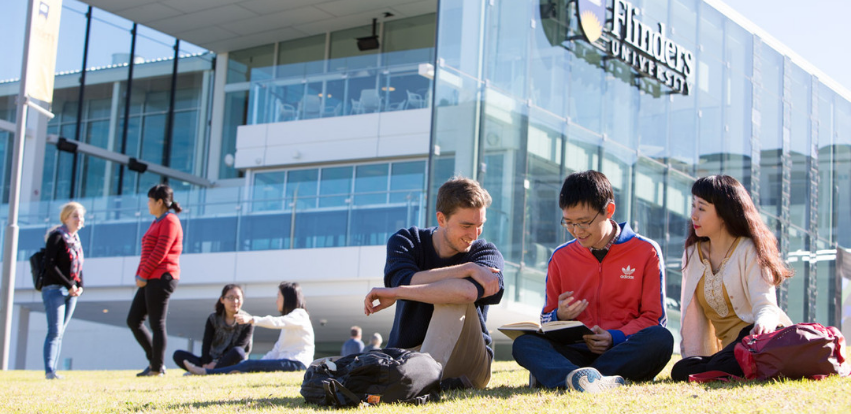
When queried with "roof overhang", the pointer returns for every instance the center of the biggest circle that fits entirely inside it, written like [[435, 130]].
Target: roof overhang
[[226, 25]]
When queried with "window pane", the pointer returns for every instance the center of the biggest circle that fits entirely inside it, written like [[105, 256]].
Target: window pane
[[800, 147], [617, 165], [797, 285], [236, 105], [265, 231], [301, 187], [407, 181], [771, 167], [508, 46], [251, 64], [678, 204], [649, 210], [336, 182], [268, 191], [826, 165], [109, 42], [371, 184], [301, 57], [344, 50], [586, 83], [409, 40], [583, 150]]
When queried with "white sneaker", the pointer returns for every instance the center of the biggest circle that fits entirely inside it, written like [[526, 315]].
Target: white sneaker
[[591, 380]]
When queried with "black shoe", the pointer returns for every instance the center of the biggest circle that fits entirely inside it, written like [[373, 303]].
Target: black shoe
[[147, 372], [460, 383]]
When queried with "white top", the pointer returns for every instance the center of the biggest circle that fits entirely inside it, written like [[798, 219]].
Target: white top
[[296, 340], [753, 298]]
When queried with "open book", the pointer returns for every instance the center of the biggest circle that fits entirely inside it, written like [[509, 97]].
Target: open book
[[565, 332]]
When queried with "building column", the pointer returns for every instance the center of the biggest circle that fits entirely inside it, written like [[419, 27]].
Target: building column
[[786, 180], [756, 118], [217, 117], [810, 299]]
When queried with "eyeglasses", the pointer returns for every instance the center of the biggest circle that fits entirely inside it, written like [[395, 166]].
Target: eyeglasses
[[233, 298], [583, 226]]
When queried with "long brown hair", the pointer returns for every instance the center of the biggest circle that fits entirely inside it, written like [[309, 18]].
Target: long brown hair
[[293, 298], [741, 219], [220, 307]]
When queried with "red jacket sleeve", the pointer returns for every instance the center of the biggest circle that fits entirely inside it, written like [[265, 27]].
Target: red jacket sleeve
[[164, 235], [652, 309]]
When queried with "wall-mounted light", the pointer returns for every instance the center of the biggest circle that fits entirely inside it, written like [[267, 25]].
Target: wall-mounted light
[[64, 145], [369, 42], [135, 165]]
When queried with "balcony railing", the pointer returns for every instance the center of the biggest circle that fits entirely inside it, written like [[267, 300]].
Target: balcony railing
[[310, 90], [219, 220]]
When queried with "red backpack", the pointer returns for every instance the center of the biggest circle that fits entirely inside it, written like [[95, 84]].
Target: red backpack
[[803, 350]]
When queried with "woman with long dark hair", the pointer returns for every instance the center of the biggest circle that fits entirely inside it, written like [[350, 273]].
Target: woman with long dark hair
[[294, 349], [156, 277], [731, 266], [226, 342], [63, 280]]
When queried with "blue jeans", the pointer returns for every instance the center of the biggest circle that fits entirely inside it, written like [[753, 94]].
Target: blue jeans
[[261, 365], [640, 358], [59, 306], [232, 357]]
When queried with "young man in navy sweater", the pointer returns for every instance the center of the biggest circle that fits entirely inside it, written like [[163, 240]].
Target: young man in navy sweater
[[444, 278]]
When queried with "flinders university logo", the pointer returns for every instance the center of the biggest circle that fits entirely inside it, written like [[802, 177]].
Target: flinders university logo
[[627, 272], [592, 14]]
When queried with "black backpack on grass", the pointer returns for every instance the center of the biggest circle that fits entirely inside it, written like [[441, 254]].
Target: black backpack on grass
[[381, 375]]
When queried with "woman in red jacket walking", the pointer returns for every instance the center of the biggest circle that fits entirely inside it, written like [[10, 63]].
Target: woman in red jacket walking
[[156, 277]]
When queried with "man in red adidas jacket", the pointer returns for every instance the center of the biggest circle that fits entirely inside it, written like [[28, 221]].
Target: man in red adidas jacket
[[612, 280]]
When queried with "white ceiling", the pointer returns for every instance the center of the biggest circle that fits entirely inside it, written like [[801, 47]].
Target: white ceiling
[[225, 25]]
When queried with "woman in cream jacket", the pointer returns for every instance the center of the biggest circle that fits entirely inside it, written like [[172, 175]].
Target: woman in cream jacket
[[731, 267]]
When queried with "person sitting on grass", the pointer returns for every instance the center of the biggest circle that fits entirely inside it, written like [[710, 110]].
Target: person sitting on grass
[[731, 267], [354, 345], [226, 342], [374, 342], [442, 280], [613, 281], [295, 347]]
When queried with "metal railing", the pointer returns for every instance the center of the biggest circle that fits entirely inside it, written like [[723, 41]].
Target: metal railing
[[220, 220], [335, 88]]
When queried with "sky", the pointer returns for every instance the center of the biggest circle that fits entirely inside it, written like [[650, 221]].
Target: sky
[[813, 29]]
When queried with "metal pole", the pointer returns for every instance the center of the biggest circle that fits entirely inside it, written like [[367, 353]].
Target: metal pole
[[10, 249], [127, 103], [169, 133], [80, 102]]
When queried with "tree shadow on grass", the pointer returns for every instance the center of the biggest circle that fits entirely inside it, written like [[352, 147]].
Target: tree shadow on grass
[[248, 403], [503, 391], [731, 384]]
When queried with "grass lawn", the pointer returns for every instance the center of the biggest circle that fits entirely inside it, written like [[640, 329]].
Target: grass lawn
[[121, 392]]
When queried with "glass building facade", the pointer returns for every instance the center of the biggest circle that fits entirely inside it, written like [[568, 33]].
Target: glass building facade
[[522, 99], [338, 204], [518, 98]]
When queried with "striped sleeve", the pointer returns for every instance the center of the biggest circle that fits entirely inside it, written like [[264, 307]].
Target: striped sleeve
[[156, 244]]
